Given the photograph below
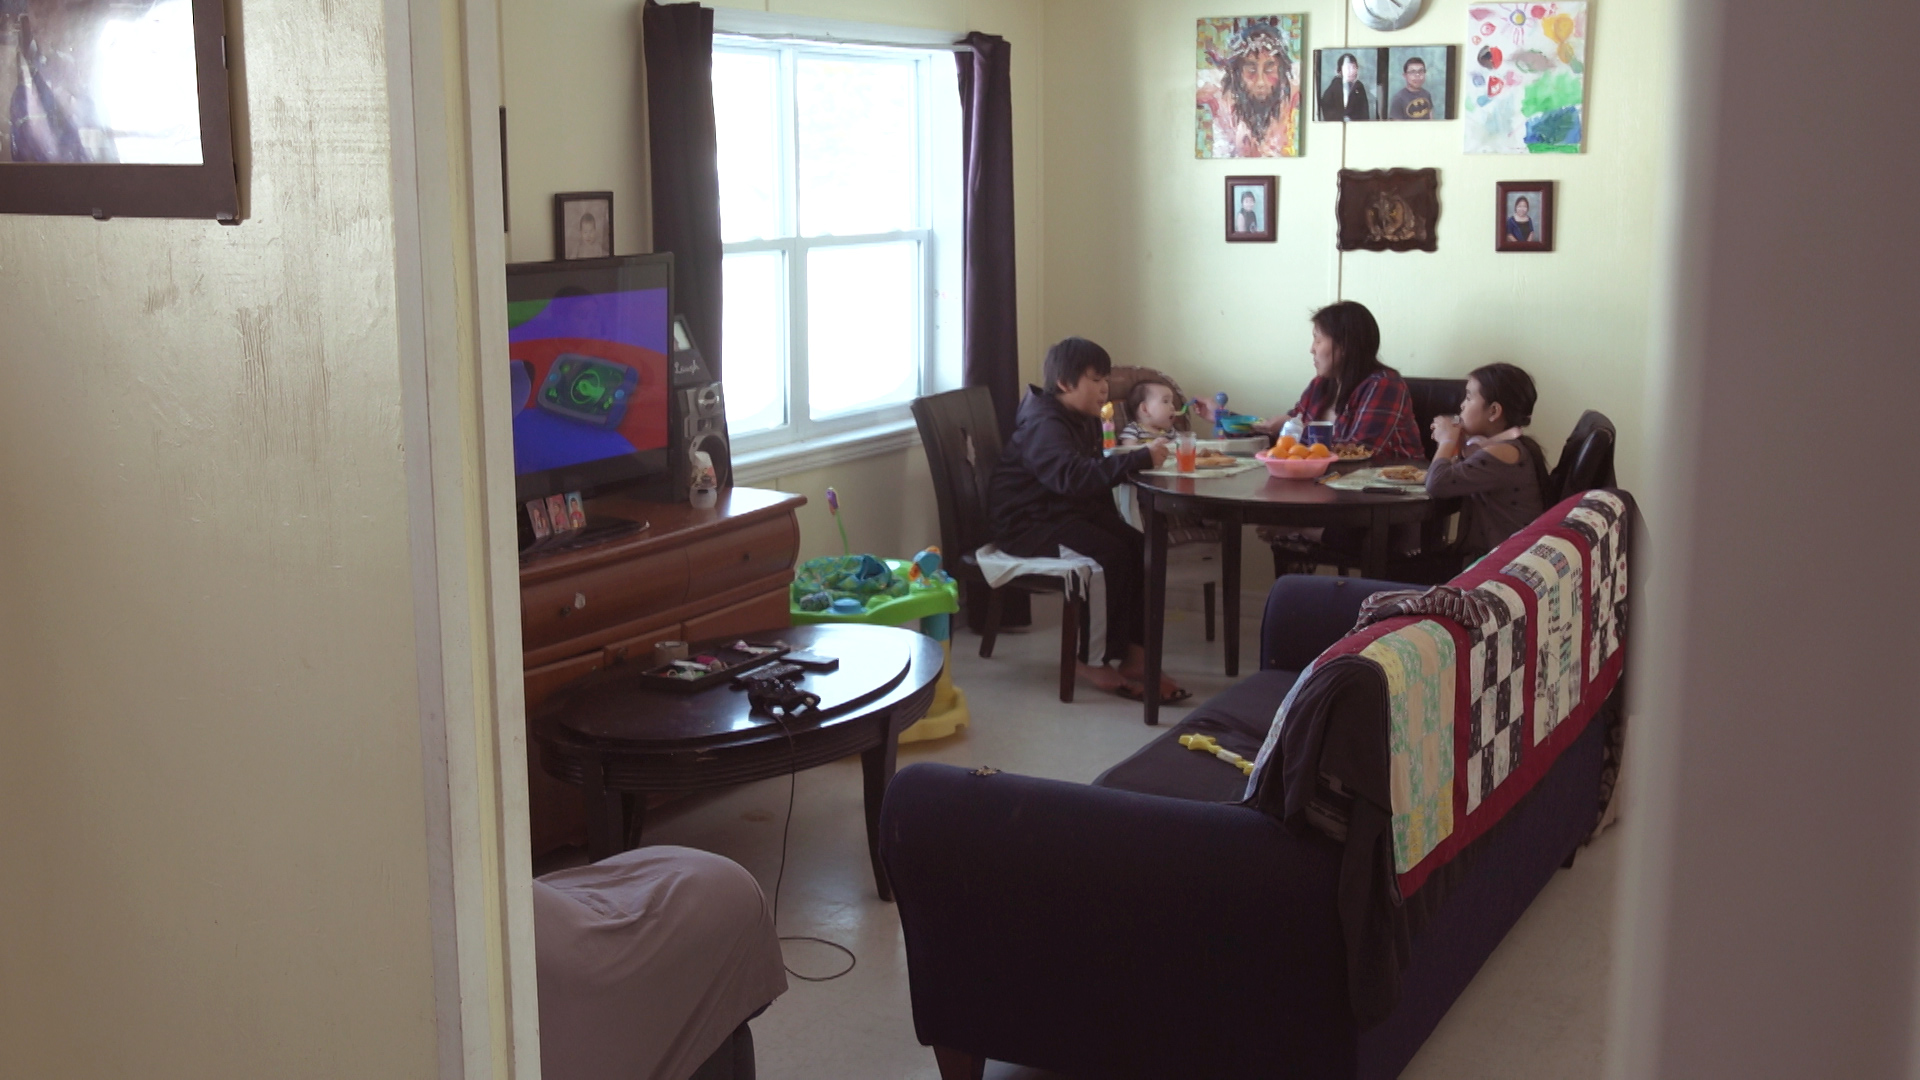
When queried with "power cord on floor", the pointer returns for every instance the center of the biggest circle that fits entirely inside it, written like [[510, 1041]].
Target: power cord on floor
[[786, 830]]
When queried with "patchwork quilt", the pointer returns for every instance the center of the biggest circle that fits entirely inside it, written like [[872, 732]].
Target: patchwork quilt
[[1486, 686]]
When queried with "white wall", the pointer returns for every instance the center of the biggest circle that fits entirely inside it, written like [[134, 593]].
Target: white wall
[[1770, 920], [1135, 256], [210, 777]]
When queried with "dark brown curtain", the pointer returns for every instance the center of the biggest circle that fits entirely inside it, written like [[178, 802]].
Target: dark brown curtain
[[990, 323], [992, 341], [686, 162]]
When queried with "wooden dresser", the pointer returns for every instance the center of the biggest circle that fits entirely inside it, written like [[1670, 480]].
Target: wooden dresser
[[694, 574]]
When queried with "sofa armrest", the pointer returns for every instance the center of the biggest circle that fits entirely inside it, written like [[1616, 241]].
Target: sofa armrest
[[1099, 932], [1306, 613]]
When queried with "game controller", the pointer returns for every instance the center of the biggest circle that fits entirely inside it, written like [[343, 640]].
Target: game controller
[[589, 389]]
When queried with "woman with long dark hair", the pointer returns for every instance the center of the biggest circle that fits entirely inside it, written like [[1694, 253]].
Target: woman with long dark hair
[[1366, 400], [1486, 459]]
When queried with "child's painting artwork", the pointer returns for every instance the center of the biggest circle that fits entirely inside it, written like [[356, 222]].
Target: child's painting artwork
[[1248, 102], [1525, 88]]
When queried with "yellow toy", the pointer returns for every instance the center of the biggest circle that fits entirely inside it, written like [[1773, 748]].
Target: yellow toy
[[1206, 744]]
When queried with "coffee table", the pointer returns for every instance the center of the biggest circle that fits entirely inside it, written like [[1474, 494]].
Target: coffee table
[[619, 740]]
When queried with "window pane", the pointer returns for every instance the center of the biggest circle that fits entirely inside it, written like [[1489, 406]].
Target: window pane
[[754, 372], [863, 327], [746, 112], [858, 145]]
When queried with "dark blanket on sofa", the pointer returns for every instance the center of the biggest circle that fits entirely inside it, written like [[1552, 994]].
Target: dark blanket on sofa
[[1477, 715]]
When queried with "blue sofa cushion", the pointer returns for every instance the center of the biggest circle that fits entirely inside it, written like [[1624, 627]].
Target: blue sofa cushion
[[1238, 719]]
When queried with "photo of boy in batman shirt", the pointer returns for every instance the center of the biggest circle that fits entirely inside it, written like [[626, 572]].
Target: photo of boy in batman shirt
[[1412, 102]]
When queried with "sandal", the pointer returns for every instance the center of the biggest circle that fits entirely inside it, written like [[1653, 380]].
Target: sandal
[[1133, 691]]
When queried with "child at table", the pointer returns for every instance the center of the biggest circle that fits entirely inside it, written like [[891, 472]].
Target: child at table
[[1486, 459], [1053, 488], [1151, 406]]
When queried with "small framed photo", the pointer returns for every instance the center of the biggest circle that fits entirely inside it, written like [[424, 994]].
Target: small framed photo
[[1250, 208], [537, 517], [583, 225], [576, 511], [1523, 215]]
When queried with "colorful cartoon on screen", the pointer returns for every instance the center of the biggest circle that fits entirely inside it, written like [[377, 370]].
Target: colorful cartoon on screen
[[1248, 101], [1526, 81], [589, 378]]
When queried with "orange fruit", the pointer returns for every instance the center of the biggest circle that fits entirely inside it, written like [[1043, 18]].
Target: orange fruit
[[1297, 452], [1286, 443], [1319, 451]]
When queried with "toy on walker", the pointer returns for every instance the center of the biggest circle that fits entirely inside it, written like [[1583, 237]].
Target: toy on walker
[[849, 588]]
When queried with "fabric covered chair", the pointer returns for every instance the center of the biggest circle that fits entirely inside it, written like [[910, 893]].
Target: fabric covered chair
[[649, 965], [1121, 381], [961, 433]]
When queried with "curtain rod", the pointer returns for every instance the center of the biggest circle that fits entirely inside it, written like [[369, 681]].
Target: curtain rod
[[830, 39]]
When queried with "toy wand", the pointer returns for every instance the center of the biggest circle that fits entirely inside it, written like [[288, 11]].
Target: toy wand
[[833, 505]]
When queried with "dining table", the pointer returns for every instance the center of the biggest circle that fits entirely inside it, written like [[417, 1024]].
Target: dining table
[[1253, 497]]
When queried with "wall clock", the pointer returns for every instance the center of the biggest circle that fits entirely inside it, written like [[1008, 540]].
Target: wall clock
[[1388, 14]]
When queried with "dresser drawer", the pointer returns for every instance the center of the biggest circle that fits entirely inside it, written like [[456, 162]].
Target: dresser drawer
[[578, 605], [768, 611], [742, 555]]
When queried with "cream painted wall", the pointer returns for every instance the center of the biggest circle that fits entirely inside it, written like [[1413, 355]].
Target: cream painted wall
[[210, 775], [1135, 258], [574, 86]]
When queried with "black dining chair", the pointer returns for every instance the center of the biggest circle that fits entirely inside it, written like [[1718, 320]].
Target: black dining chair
[[1431, 398], [961, 433], [1586, 460]]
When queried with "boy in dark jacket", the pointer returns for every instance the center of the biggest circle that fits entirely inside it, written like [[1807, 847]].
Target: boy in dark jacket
[[1053, 488]]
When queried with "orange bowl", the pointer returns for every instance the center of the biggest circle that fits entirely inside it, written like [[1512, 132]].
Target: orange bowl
[[1294, 468]]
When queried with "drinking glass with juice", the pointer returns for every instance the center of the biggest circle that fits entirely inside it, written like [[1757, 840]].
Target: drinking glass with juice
[[1185, 450]]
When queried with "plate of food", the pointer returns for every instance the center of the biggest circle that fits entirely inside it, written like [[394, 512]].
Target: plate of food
[[1352, 451], [1403, 474], [1209, 459]]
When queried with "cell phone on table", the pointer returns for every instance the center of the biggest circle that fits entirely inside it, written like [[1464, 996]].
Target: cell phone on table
[[813, 661]]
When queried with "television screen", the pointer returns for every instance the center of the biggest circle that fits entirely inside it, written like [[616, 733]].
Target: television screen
[[589, 342]]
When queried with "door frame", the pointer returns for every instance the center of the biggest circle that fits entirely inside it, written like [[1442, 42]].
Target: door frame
[[444, 95]]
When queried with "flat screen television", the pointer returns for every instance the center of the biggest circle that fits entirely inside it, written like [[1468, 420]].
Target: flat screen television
[[589, 341]]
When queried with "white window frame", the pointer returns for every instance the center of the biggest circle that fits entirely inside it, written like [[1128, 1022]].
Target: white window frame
[[805, 442]]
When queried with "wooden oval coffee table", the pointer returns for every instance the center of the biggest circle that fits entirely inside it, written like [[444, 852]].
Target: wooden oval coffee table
[[617, 739]]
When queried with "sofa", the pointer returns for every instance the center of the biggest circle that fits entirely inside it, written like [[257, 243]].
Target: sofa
[[1178, 918]]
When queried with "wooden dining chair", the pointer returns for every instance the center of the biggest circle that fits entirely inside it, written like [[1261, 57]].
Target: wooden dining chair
[[961, 433]]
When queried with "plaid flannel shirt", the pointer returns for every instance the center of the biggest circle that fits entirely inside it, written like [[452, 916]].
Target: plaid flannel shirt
[[1378, 415]]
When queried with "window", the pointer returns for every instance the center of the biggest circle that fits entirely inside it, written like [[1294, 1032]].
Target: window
[[838, 181]]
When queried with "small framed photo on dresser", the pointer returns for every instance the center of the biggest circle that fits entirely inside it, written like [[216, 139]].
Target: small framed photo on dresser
[[1250, 208], [1523, 215]]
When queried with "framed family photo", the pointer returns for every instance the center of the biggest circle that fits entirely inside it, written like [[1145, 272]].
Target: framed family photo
[[1250, 207], [1523, 215], [583, 225]]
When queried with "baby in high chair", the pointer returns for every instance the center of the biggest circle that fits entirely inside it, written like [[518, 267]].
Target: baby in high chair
[[1151, 407]]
